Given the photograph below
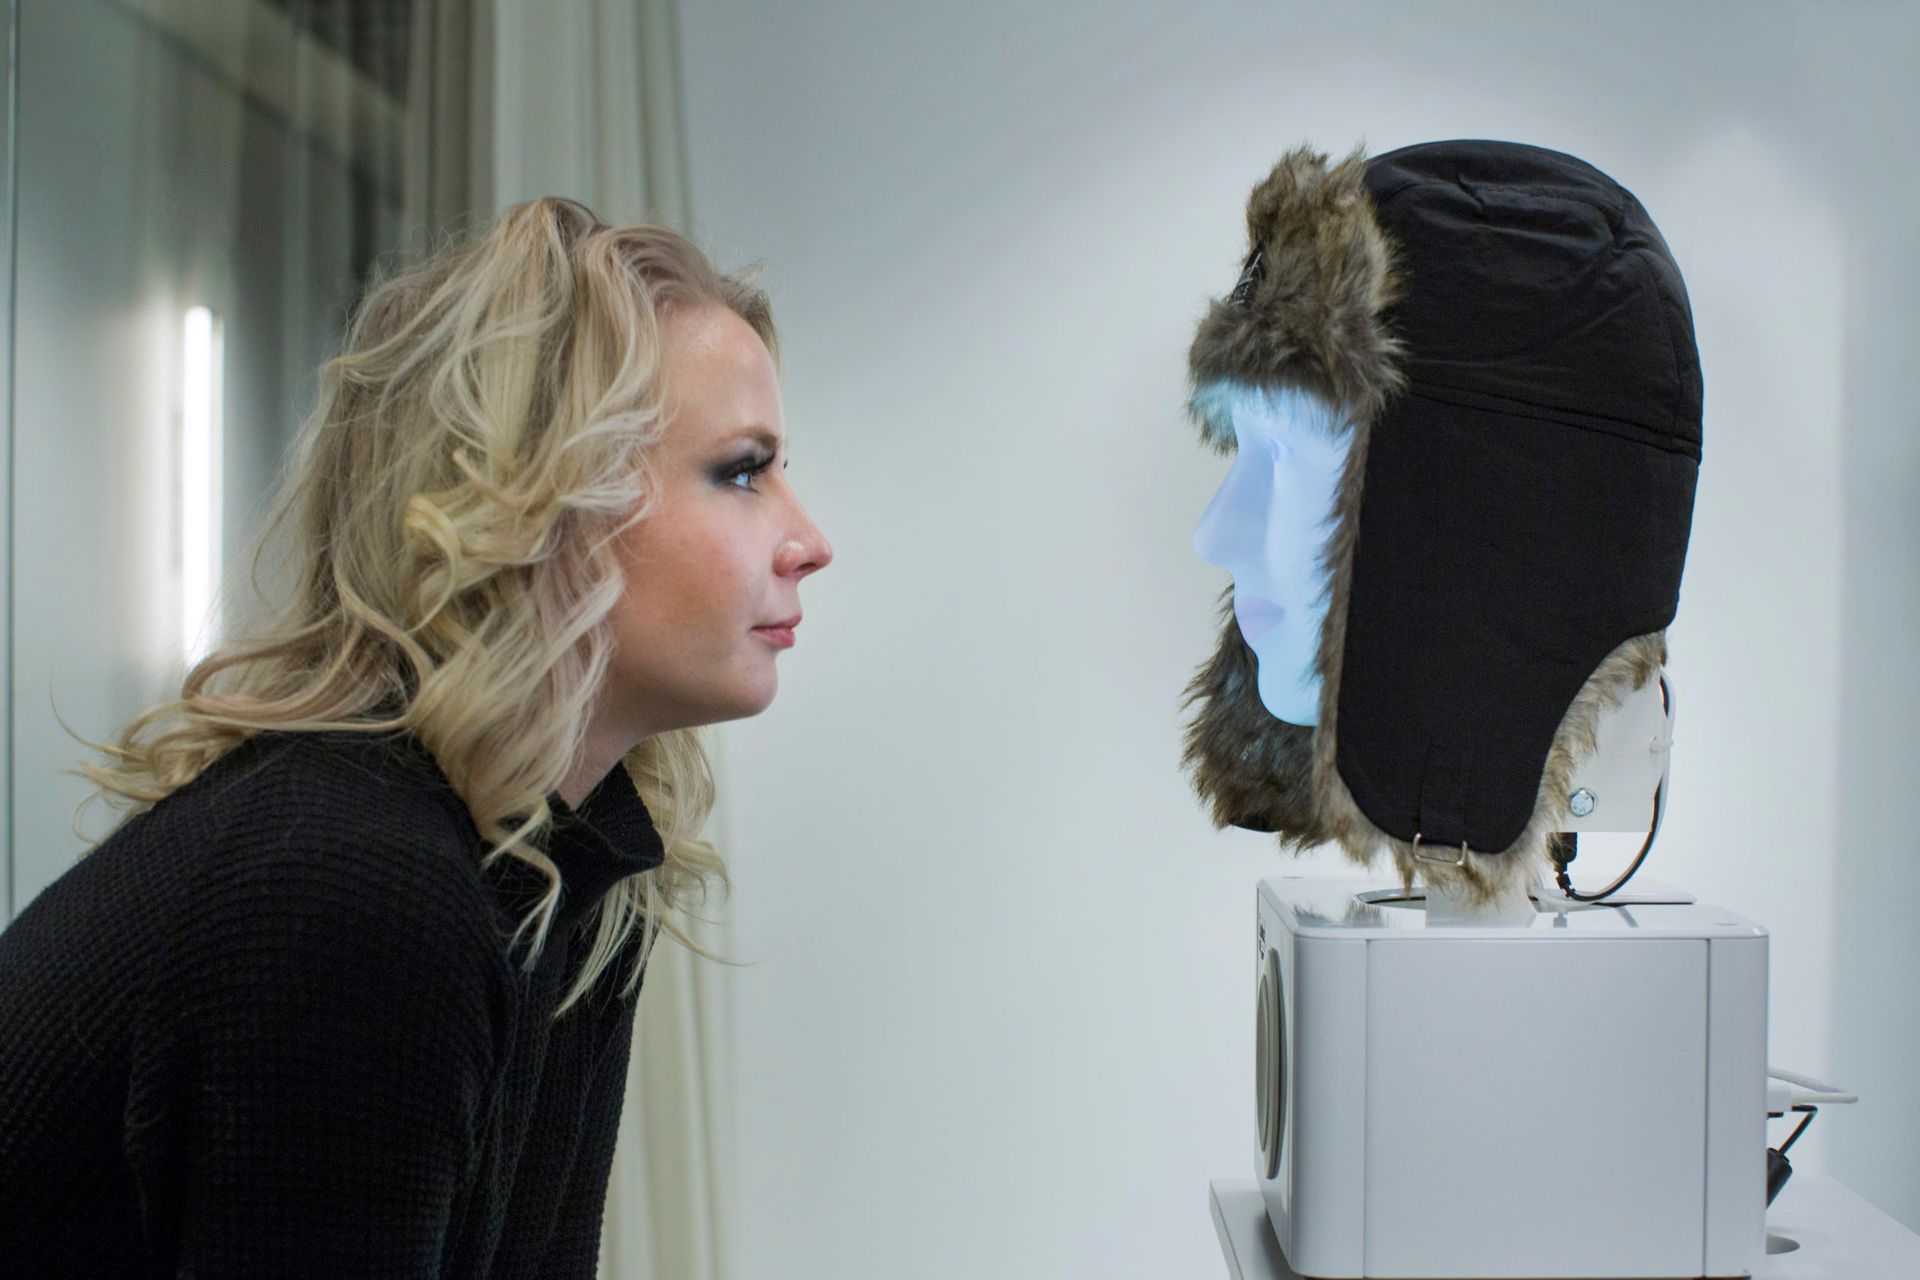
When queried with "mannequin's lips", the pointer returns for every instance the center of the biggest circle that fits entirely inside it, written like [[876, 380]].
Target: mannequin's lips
[[1257, 615]]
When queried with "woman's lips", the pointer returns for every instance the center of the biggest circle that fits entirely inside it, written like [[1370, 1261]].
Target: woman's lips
[[782, 636], [1257, 615]]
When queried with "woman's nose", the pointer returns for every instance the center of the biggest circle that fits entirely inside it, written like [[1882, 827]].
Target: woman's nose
[[808, 550]]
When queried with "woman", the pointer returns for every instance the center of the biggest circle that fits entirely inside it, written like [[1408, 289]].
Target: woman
[[351, 991]]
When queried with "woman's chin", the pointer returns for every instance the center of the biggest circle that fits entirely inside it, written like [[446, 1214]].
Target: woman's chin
[[761, 697]]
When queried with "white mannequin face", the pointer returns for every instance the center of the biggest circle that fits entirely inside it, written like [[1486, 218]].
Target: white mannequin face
[[1267, 526]]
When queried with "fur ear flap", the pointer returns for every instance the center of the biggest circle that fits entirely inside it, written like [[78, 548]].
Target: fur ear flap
[[1263, 774], [1490, 877]]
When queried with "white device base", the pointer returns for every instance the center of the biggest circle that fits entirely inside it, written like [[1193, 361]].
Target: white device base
[[1822, 1232], [1421, 1075]]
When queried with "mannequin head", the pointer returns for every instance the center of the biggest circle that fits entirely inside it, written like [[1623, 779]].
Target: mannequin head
[[1503, 346], [1267, 526]]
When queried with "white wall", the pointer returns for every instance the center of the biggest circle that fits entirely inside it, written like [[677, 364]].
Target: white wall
[[998, 1015]]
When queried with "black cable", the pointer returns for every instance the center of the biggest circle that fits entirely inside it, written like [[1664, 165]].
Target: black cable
[[1566, 882], [1811, 1113], [1561, 845], [1779, 1168]]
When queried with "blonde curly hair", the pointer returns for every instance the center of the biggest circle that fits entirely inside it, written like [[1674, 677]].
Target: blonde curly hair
[[455, 494]]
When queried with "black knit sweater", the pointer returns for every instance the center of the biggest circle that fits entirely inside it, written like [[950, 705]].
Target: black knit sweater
[[272, 1027]]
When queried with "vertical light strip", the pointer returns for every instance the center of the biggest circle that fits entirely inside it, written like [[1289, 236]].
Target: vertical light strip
[[200, 488]]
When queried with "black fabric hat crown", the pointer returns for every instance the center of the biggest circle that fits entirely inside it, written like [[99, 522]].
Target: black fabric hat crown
[[1506, 335]]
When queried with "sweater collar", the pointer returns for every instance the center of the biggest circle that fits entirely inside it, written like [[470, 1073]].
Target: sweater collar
[[609, 837]]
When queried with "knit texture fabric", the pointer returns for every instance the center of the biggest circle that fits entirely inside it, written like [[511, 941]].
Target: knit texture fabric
[[272, 1026]]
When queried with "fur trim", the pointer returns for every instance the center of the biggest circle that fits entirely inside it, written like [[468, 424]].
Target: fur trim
[[1306, 310], [1307, 313]]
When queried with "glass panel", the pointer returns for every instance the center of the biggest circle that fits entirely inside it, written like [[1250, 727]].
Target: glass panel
[[204, 185], [9, 41]]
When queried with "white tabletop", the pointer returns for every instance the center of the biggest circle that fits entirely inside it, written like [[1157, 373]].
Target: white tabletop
[[1840, 1236]]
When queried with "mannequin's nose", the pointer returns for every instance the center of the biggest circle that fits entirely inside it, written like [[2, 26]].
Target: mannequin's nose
[[1226, 535], [1206, 535]]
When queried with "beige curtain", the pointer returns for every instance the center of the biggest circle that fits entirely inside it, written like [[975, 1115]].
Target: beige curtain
[[581, 98], [585, 99], [667, 1199]]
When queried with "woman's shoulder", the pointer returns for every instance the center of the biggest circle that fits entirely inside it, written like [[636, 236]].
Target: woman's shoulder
[[337, 867], [295, 866], [336, 782], [275, 812], [332, 806]]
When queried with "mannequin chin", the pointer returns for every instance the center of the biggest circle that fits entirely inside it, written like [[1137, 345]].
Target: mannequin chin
[[1267, 526]]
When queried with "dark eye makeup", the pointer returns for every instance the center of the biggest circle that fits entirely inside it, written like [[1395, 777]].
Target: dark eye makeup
[[750, 466]]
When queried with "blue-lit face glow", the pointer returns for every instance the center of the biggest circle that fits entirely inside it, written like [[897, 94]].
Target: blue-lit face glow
[[1268, 525]]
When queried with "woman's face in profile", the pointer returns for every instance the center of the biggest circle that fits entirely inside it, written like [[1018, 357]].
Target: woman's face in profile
[[722, 553]]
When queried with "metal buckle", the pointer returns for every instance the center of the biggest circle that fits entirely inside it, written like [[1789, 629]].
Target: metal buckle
[[1461, 861], [1250, 276]]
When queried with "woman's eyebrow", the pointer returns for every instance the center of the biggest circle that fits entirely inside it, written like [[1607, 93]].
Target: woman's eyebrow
[[763, 434]]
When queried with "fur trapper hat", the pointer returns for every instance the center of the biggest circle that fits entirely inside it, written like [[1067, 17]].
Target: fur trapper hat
[[1507, 338]]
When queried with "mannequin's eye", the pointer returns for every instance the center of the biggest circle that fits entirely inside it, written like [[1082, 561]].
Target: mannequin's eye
[[1278, 449]]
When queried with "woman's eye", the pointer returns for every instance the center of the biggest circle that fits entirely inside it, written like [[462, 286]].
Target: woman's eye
[[747, 471]]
